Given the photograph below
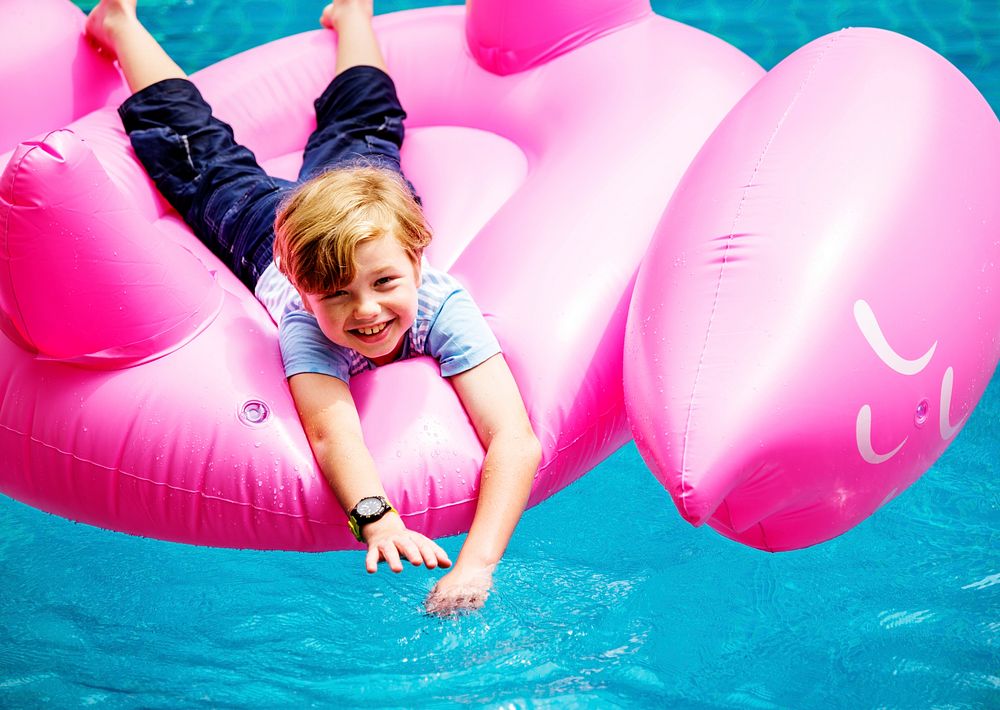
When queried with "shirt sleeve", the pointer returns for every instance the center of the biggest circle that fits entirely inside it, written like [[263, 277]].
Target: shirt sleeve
[[304, 348], [460, 338]]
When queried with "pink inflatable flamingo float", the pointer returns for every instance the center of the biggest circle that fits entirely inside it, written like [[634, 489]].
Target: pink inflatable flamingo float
[[142, 383]]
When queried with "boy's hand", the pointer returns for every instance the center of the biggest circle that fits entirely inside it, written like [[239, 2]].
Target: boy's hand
[[463, 589], [389, 539]]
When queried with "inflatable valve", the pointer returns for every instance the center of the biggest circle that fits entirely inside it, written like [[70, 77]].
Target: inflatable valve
[[80, 278]]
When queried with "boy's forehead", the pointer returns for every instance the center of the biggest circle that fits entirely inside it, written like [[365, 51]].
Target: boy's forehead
[[385, 249]]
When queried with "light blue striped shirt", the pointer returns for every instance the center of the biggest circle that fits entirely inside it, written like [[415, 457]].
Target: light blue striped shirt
[[448, 327]]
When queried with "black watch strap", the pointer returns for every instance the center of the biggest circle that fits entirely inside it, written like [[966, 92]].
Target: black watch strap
[[367, 510]]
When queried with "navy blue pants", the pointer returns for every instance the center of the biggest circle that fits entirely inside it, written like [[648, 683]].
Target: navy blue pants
[[217, 185]]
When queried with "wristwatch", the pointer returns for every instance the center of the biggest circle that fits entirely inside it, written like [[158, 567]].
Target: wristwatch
[[367, 510]]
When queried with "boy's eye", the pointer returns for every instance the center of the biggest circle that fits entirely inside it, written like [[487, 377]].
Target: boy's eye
[[384, 280], [335, 294]]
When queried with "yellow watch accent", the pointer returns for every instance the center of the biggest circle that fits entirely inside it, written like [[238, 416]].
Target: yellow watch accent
[[352, 519]]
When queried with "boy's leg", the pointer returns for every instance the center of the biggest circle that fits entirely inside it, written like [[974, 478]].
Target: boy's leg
[[115, 28], [214, 183], [358, 117], [356, 43]]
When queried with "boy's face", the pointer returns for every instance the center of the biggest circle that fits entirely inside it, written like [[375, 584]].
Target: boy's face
[[373, 313]]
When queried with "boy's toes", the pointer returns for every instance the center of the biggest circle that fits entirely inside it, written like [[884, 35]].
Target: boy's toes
[[103, 19], [326, 19]]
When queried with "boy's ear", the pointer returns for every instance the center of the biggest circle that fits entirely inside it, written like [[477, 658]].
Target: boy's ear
[[305, 301], [418, 263]]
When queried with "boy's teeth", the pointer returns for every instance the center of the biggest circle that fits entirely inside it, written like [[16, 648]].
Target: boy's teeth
[[372, 331]]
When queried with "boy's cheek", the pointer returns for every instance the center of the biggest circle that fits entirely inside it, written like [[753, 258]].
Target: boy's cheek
[[411, 318], [331, 333]]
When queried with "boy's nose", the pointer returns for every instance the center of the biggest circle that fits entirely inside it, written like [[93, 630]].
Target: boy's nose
[[366, 307]]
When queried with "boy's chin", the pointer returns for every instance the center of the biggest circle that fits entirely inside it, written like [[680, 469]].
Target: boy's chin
[[383, 356]]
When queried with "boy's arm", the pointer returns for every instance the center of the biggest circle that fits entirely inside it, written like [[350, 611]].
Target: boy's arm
[[493, 403], [330, 419]]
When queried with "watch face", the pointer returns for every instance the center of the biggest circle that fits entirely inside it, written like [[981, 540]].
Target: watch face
[[369, 506]]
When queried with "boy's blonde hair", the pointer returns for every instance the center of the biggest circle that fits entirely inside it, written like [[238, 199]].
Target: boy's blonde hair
[[320, 225]]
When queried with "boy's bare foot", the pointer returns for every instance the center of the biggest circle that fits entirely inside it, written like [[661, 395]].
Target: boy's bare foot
[[105, 20], [335, 12]]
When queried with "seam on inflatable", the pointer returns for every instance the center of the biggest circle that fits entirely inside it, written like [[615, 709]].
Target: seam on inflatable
[[429, 508], [208, 496], [119, 458], [600, 419], [608, 413], [763, 537], [6, 240], [162, 484], [583, 37], [306, 529], [725, 252]]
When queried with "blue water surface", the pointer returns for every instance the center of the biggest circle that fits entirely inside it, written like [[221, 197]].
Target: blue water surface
[[606, 597]]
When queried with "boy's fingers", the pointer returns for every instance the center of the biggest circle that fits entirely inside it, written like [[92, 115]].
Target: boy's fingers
[[391, 556], [371, 559], [417, 551], [429, 551], [442, 557], [409, 548]]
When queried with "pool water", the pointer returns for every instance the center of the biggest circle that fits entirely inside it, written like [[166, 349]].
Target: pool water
[[596, 605]]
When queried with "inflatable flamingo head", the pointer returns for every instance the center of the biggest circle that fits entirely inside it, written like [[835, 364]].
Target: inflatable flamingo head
[[818, 314]]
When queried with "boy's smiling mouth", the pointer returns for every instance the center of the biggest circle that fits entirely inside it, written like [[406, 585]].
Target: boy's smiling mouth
[[372, 331]]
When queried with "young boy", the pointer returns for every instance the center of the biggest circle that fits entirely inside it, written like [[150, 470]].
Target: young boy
[[349, 237]]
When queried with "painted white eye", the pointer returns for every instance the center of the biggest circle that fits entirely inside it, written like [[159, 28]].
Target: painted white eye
[[864, 316], [863, 433], [948, 430]]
